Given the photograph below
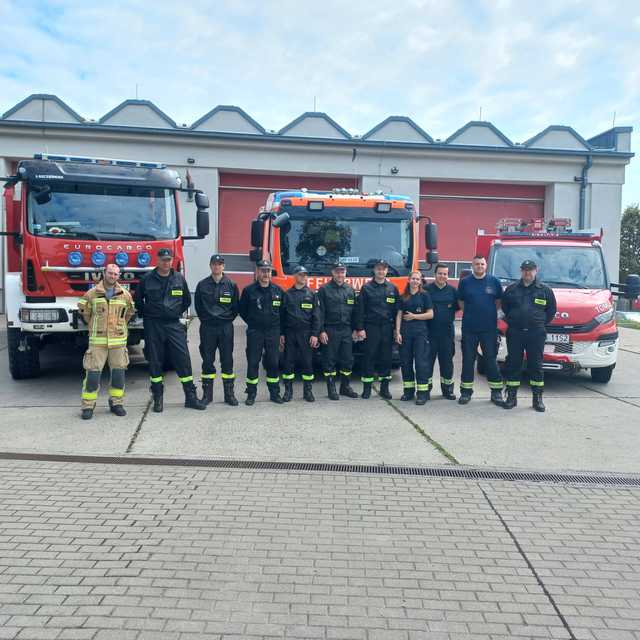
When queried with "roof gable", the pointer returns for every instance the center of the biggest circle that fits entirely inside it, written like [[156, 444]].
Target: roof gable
[[42, 107], [558, 137], [479, 133], [228, 118], [138, 113], [314, 124], [397, 129]]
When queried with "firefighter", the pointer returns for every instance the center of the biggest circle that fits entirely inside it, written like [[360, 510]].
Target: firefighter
[[528, 306], [337, 303], [300, 332], [261, 307], [106, 309], [412, 334], [216, 301], [375, 318], [479, 298], [441, 329], [161, 298]]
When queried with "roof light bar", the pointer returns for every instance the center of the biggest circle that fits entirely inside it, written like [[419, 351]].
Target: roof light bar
[[105, 161]]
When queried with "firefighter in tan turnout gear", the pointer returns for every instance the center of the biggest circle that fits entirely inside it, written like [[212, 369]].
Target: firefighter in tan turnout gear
[[106, 309]]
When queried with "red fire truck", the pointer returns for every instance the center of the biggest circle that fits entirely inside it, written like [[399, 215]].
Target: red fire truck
[[583, 334], [66, 218], [316, 228]]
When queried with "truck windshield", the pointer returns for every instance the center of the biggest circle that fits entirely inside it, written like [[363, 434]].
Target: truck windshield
[[356, 238], [564, 267], [104, 212]]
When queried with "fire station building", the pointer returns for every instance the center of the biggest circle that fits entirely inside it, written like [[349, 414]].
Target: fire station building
[[469, 180]]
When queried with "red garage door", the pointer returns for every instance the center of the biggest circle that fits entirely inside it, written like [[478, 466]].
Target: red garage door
[[460, 208], [240, 197]]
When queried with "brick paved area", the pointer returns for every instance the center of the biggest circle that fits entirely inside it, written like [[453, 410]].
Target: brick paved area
[[128, 552]]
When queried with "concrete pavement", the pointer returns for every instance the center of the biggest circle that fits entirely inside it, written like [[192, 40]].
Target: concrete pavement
[[587, 427]]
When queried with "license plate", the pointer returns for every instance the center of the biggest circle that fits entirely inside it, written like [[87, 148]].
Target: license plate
[[558, 338]]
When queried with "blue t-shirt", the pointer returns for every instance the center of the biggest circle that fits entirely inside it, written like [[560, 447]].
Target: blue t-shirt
[[479, 296]]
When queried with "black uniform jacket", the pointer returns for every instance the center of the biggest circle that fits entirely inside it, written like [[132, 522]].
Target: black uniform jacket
[[377, 304], [159, 298], [301, 310], [262, 307], [216, 302], [531, 307], [445, 305], [337, 305]]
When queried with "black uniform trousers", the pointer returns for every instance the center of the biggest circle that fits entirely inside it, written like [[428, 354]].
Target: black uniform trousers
[[216, 337], [259, 342], [378, 348], [414, 351], [338, 352], [443, 347], [162, 338], [488, 342], [532, 342], [298, 349]]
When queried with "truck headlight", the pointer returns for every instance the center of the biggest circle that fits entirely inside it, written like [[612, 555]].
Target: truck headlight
[[607, 316], [42, 316]]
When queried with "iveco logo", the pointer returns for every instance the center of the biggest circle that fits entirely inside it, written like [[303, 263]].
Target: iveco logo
[[562, 314]]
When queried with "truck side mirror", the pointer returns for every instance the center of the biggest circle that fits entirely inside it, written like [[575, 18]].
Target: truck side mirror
[[431, 236], [257, 232], [255, 255], [281, 220], [43, 195], [202, 201], [432, 257], [632, 286], [202, 223]]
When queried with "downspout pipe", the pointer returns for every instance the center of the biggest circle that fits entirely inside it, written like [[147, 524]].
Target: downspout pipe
[[584, 181]]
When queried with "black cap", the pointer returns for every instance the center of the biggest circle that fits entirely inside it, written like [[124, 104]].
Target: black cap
[[165, 254], [381, 261], [338, 265], [216, 257], [528, 264], [264, 264], [299, 269]]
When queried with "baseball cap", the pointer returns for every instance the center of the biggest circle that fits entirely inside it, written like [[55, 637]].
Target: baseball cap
[[528, 264], [338, 265], [216, 257], [264, 264], [381, 261], [299, 269], [165, 254]]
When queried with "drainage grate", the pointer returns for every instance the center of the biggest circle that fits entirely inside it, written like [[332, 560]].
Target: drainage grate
[[463, 473]]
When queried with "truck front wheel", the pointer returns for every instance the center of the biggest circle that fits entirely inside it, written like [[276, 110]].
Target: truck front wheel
[[24, 355], [602, 374]]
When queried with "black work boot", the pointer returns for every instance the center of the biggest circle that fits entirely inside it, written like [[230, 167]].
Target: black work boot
[[274, 392], [331, 388], [512, 398], [422, 397], [87, 414], [207, 391], [307, 391], [229, 395], [537, 403], [366, 390], [345, 388], [408, 394], [288, 391], [252, 392], [384, 390], [117, 409], [496, 397], [465, 396], [157, 389], [191, 400], [447, 391]]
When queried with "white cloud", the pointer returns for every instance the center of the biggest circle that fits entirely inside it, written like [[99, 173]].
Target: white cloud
[[526, 64]]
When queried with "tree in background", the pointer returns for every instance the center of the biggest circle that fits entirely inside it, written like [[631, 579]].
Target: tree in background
[[630, 241]]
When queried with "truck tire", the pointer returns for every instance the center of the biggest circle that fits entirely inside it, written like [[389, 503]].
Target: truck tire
[[24, 362], [602, 374]]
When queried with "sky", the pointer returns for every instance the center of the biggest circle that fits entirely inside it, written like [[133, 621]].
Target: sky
[[522, 64]]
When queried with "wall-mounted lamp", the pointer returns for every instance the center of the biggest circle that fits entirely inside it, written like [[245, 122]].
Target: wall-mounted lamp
[[394, 170]]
